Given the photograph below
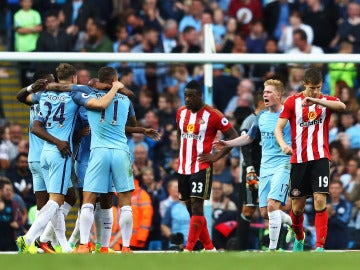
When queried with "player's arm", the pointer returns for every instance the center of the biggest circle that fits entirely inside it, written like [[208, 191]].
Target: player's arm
[[242, 140], [229, 134], [25, 94], [63, 146], [94, 83], [104, 101], [334, 105], [280, 137]]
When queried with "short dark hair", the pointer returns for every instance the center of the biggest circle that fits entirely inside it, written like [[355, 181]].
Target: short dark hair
[[107, 74], [313, 76], [193, 84], [64, 71], [41, 74], [300, 32]]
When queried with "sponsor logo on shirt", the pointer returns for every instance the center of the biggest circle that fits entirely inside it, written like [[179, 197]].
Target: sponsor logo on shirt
[[310, 123], [190, 128]]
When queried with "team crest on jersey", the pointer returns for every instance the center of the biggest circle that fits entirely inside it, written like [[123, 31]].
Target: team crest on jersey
[[224, 121], [190, 128], [312, 115]]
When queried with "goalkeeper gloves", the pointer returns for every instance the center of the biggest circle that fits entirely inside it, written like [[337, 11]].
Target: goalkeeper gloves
[[251, 178]]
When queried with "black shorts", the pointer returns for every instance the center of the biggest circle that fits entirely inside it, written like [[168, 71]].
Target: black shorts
[[309, 177], [195, 185]]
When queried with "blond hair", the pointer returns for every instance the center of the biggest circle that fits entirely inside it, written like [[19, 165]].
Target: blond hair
[[279, 86]]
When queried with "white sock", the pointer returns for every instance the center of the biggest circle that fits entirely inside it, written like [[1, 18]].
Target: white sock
[[58, 221], [86, 221], [65, 209], [75, 236], [285, 218], [107, 221], [98, 222], [43, 218], [47, 234], [126, 224], [274, 228]]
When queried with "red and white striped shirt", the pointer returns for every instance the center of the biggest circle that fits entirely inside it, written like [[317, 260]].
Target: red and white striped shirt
[[309, 128], [197, 134]]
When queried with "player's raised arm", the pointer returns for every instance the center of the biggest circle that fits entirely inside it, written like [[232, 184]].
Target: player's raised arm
[[104, 101], [25, 94]]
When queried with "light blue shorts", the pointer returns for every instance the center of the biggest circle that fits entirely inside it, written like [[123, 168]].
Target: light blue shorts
[[37, 176], [109, 170], [80, 170], [56, 171], [274, 185]]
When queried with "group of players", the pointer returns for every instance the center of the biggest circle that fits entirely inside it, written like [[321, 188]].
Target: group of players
[[103, 161]]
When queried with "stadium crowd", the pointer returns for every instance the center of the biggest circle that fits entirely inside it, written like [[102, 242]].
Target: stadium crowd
[[171, 26]]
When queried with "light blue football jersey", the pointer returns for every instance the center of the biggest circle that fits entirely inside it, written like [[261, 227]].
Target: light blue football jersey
[[108, 126], [265, 125], [35, 143], [58, 112]]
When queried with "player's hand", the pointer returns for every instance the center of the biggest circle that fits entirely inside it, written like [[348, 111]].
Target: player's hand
[[40, 84], [220, 145], [307, 101], [252, 180], [153, 134], [118, 85], [286, 149], [64, 148], [210, 158]]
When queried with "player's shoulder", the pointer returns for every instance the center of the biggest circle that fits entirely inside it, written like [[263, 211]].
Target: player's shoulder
[[213, 111]]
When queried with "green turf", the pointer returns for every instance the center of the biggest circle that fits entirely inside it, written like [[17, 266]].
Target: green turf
[[182, 261]]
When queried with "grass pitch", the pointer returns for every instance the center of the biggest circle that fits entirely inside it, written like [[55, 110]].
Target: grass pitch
[[184, 261]]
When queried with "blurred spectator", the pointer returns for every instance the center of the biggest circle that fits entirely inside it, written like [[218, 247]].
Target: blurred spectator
[[141, 160], [333, 127], [323, 20], [151, 15], [224, 87], [346, 72], [121, 35], [339, 159], [142, 218], [166, 112], [219, 27], [21, 178], [349, 29], [354, 131], [77, 13], [228, 39], [135, 25], [188, 43], [10, 217], [347, 95], [9, 146], [349, 178], [245, 11], [171, 9], [175, 225], [301, 44], [27, 25], [169, 35], [146, 102], [219, 200], [244, 96], [295, 79], [53, 39], [286, 41], [259, 73], [255, 41], [157, 194], [126, 76], [173, 196], [23, 146], [96, 41], [83, 75], [134, 140], [355, 224], [277, 17], [339, 211], [222, 172], [193, 16]]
